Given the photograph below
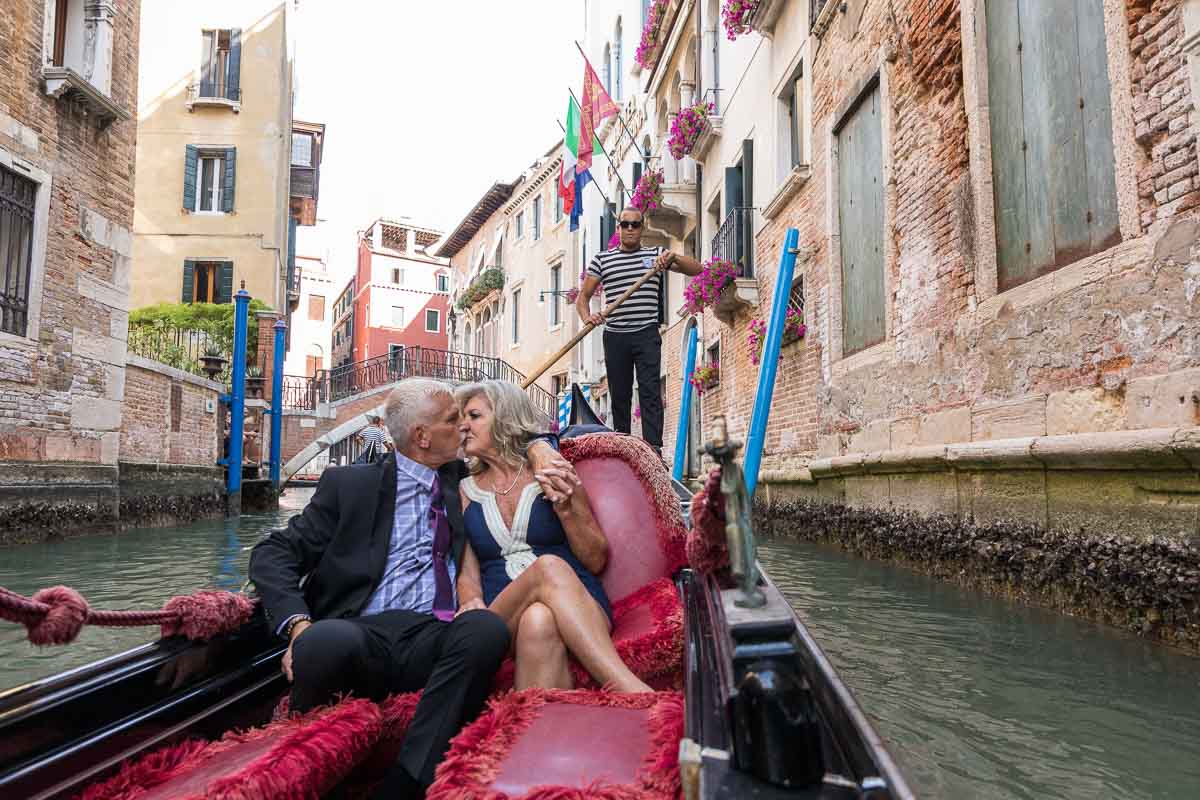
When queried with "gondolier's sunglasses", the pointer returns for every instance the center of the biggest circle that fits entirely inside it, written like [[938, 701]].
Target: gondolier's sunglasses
[[630, 224]]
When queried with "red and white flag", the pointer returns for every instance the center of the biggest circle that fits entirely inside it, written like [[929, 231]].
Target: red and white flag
[[595, 106]]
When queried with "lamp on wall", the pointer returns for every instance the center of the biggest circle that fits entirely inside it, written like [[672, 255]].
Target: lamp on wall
[[544, 292]]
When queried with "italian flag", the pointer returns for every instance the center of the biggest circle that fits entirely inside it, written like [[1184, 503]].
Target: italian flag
[[571, 180]]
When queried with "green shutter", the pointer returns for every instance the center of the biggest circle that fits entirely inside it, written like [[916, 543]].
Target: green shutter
[[860, 213], [189, 281], [225, 283], [747, 220], [233, 83], [1053, 172], [191, 160], [230, 179]]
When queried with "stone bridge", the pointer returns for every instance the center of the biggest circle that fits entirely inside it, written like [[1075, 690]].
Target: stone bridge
[[333, 405]]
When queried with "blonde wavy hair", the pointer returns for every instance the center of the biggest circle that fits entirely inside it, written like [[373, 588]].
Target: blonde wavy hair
[[515, 420]]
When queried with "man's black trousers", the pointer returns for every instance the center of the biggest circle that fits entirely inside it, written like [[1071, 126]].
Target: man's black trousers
[[403, 651], [623, 353]]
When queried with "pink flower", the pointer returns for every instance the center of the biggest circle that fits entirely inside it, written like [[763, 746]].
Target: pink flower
[[735, 15], [647, 195], [756, 336], [650, 39], [689, 124], [704, 289], [614, 241]]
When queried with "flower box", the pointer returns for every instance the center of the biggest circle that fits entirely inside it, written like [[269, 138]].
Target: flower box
[[705, 377], [705, 289], [735, 298], [708, 136], [687, 127]]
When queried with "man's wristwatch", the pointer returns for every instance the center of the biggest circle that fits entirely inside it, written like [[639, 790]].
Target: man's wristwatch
[[293, 622]]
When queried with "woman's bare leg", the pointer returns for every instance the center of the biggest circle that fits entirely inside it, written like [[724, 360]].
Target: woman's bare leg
[[580, 620], [541, 653]]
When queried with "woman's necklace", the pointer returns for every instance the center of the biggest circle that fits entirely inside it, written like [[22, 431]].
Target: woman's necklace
[[511, 485]]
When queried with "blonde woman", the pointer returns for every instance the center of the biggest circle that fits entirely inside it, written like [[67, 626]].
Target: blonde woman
[[531, 562]]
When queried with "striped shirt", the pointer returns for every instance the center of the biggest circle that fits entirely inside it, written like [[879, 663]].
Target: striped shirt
[[619, 270], [373, 434], [408, 582]]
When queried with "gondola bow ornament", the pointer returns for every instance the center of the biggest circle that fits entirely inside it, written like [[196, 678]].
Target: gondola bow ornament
[[739, 533]]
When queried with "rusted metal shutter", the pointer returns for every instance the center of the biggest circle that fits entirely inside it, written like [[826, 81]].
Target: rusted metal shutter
[[860, 213], [1053, 170]]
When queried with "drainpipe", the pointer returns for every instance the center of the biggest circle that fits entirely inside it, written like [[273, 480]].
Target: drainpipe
[[277, 401]]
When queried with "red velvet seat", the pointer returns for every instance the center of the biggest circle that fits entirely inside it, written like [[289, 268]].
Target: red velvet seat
[[560, 744], [638, 511]]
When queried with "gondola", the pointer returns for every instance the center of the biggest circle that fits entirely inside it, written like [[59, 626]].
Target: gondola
[[763, 714]]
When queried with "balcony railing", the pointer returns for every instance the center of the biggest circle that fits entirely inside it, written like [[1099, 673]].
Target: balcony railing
[[735, 240], [339, 383], [211, 90], [181, 348]]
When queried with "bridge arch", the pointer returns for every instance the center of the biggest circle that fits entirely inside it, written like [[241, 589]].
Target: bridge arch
[[329, 439]]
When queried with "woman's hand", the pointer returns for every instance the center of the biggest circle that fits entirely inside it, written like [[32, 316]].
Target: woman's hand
[[553, 473], [470, 605]]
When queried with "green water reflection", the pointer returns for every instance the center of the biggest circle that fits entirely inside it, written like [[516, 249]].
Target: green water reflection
[[135, 569], [980, 697]]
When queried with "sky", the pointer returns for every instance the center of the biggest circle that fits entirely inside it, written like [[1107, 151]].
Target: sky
[[426, 104]]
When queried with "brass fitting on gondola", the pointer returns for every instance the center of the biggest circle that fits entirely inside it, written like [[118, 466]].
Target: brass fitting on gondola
[[739, 532]]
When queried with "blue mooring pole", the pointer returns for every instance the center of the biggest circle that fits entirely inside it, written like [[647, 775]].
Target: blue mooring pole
[[237, 401], [685, 407], [277, 400], [770, 361]]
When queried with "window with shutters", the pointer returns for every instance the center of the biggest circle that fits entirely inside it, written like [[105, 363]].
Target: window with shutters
[[18, 196], [433, 320], [1053, 164], [220, 64], [520, 224], [516, 315], [555, 289], [209, 179], [302, 147], [316, 307], [558, 206], [207, 281], [860, 223], [443, 282], [397, 276], [78, 53], [791, 107]]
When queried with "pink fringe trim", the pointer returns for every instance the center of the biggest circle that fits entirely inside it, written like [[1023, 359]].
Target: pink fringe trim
[[313, 754], [477, 754], [707, 549]]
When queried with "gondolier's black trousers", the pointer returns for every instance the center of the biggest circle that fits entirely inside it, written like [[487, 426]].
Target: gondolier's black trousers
[[623, 353], [403, 651]]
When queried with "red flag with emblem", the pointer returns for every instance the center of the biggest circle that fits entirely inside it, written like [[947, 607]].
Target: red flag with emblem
[[595, 106]]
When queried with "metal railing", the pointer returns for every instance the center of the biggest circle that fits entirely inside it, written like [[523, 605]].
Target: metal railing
[[17, 195], [213, 90], [734, 240], [181, 348], [339, 383]]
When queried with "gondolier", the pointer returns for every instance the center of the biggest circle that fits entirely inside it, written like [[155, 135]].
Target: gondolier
[[631, 338]]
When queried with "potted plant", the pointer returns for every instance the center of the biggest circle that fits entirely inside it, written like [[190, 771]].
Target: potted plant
[[254, 382], [736, 14], [705, 289], [687, 128], [756, 338], [706, 376], [213, 361]]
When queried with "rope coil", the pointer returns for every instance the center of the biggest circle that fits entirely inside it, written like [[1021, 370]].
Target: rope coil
[[57, 614]]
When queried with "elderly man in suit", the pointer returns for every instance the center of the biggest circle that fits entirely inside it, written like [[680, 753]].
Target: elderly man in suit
[[380, 545]]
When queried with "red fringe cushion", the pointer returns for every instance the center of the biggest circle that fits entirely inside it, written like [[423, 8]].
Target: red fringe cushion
[[477, 754], [651, 473], [310, 755], [655, 656], [707, 549]]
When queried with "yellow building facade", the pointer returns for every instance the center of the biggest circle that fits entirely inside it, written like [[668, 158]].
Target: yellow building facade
[[214, 149]]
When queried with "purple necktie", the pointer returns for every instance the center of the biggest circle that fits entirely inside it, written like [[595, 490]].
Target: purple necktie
[[443, 597]]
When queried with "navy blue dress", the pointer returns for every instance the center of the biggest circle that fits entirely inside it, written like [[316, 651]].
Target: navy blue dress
[[505, 553]]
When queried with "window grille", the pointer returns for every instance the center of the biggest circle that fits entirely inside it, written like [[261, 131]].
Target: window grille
[[17, 197]]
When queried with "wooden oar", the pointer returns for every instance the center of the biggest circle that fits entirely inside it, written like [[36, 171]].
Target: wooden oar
[[577, 338]]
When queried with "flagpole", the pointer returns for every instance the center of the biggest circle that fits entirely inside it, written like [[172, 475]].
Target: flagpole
[[632, 138], [594, 183], [620, 180]]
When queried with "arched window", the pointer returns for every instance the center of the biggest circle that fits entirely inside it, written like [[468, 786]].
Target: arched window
[[608, 68], [618, 46]]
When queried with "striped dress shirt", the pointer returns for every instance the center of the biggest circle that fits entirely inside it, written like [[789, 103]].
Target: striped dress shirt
[[408, 580]]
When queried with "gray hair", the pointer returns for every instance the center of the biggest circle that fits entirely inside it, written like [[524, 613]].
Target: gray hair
[[515, 419], [410, 404]]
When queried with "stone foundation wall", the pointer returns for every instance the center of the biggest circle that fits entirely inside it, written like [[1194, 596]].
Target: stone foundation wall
[[1150, 586], [169, 494]]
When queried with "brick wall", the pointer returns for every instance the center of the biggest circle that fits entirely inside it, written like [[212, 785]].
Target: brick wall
[[61, 390], [1111, 342], [166, 420]]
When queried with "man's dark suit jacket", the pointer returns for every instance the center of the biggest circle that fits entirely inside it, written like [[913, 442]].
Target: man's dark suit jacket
[[340, 541]]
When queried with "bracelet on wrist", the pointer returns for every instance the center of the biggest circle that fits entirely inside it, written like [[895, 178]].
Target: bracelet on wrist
[[291, 626]]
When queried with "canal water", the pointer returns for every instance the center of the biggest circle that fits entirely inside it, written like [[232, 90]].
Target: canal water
[[976, 697]]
